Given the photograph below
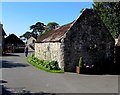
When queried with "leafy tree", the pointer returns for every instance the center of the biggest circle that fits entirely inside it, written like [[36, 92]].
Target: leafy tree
[[109, 13], [38, 28], [50, 26], [26, 36]]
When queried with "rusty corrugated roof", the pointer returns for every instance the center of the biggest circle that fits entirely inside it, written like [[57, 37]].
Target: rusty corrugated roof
[[55, 35]]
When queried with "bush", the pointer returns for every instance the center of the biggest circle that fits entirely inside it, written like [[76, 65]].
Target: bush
[[50, 66], [33, 55]]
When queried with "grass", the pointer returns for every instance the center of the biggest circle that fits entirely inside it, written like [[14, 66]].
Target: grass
[[42, 67]]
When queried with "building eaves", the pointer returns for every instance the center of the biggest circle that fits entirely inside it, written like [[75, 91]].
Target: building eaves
[[55, 35]]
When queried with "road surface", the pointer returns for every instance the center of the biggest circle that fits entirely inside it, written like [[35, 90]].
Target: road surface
[[21, 75]]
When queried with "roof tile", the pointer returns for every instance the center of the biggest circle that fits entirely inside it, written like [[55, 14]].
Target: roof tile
[[55, 35]]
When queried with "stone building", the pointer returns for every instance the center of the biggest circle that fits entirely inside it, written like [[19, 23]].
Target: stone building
[[118, 41], [31, 43], [13, 44], [2, 37], [85, 37], [31, 40], [117, 55]]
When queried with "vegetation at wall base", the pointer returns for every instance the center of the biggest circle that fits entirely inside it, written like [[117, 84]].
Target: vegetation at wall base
[[80, 62], [39, 64]]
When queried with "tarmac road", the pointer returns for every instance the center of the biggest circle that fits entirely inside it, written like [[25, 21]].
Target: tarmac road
[[21, 75]]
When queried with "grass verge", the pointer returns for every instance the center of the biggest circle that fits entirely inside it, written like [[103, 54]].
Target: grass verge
[[42, 67]]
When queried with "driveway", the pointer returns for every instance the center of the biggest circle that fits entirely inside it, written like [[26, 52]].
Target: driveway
[[21, 75]]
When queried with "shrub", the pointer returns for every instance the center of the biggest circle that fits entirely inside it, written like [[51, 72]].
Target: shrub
[[33, 55], [50, 66], [80, 62]]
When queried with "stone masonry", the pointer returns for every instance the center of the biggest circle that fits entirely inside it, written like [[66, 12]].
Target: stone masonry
[[85, 37], [50, 51]]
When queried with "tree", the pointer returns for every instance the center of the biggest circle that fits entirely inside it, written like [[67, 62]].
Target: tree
[[110, 15], [26, 36], [50, 26], [38, 28]]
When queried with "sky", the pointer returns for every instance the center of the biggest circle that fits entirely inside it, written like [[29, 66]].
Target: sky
[[17, 17]]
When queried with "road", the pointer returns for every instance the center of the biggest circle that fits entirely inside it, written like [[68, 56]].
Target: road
[[21, 75]]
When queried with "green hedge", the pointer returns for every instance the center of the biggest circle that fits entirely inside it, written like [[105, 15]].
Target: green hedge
[[49, 66]]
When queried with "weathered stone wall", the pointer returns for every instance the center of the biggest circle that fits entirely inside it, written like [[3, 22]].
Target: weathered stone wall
[[117, 59], [117, 56], [88, 38], [50, 51]]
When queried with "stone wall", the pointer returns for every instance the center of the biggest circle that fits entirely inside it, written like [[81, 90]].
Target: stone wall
[[117, 59], [50, 51], [117, 56], [89, 38]]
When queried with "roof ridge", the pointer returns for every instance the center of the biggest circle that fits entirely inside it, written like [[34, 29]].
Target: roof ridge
[[55, 34]]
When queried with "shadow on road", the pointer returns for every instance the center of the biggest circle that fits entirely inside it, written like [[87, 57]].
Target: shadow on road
[[3, 81], [10, 64], [10, 54], [9, 91]]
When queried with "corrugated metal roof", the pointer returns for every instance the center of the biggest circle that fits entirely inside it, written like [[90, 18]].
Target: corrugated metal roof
[[55, 35]]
